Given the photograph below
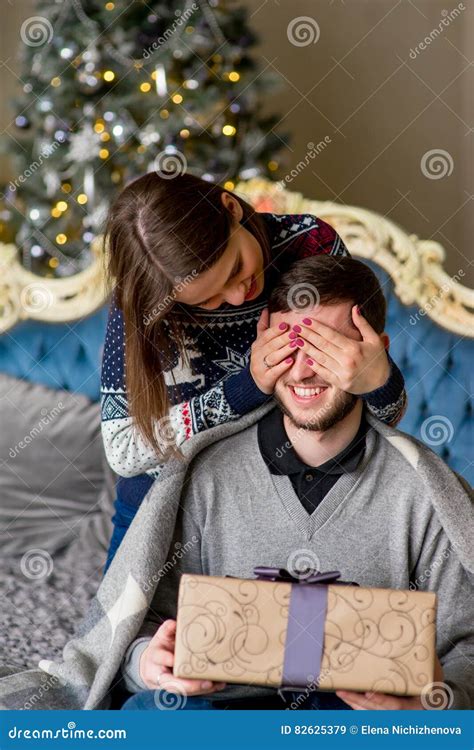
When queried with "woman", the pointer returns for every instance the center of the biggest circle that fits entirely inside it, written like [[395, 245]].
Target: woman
[[188, 343]]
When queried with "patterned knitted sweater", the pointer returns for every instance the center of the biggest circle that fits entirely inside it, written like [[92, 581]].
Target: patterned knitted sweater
[[215, 384]]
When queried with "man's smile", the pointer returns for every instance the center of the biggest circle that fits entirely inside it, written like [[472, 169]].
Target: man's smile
[[306, 394]]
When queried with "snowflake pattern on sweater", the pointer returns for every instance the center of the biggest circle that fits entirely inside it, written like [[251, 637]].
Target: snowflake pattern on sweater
[[213, 383]]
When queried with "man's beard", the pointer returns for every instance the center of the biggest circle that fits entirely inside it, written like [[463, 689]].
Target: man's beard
[[342, 405]]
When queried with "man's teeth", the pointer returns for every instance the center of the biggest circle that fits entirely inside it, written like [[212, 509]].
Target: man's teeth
[[307, 392]]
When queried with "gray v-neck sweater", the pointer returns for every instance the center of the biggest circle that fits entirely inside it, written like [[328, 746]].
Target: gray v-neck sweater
[[377, 525]]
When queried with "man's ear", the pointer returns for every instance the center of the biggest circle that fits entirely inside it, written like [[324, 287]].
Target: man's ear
[[386, 340]]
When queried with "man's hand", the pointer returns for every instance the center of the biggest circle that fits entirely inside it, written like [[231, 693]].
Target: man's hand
[[351, 365], [367, 701], [383, 702], [156, 666]]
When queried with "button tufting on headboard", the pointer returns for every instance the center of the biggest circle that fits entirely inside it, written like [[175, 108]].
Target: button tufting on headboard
[[63, 355], [437, 368]]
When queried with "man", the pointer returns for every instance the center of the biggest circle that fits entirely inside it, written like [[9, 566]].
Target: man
[[317, 482]]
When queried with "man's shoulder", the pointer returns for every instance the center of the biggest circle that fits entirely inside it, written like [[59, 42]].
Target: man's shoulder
[[232, 449], [417, 458]]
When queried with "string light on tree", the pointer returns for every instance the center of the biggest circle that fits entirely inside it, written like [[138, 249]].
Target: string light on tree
[[107, 94]]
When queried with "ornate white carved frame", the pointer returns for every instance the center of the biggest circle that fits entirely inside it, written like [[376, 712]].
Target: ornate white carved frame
[[24, 295], [416, 266]]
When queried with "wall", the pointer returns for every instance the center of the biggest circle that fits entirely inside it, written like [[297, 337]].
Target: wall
[[384, 102]]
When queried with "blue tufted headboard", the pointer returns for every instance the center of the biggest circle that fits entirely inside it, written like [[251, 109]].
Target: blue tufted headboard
[[437, 366], [438, 370], [64, 356]]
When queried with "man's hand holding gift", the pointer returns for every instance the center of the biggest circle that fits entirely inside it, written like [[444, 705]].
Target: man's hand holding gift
[[156, 666], [156, 671], [381, 701]]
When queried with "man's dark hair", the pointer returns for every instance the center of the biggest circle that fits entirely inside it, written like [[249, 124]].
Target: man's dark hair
[[328, 280]]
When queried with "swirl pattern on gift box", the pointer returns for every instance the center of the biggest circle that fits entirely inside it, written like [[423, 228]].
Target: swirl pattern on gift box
[[387, 634], [374, 639], [224, 630]]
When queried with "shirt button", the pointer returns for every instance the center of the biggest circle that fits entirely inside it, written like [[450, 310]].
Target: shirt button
[[308, 477]]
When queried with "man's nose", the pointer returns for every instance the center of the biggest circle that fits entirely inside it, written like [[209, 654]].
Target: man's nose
[[299, 370]]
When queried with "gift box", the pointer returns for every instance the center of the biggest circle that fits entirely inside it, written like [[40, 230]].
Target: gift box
[[315, 632]]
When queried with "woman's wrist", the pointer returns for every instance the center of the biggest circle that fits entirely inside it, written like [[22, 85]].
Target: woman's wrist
[[389, 398], [242, 392], [382, 376]]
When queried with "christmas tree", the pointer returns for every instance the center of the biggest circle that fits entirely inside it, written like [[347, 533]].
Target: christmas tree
[[113, 90]]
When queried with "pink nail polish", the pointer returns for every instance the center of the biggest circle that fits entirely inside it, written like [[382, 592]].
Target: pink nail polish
[[293, 344], [288, 360], [297, 329], [282, 326], [307, 321], [309, 361], [299, 342], [292, 335]]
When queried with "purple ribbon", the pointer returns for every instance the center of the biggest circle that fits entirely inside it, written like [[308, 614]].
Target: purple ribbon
[[263, 573], [304, 635], [306, 617]]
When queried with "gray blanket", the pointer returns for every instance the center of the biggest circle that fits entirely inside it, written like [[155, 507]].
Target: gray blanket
[[92, 658]]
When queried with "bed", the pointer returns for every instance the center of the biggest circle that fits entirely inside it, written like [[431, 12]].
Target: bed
[[57, 490]]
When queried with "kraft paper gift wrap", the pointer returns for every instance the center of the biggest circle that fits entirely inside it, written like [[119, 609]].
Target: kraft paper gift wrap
[[327, 636]]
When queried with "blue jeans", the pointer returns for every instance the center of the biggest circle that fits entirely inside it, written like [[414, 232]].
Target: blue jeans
[[130, 494], [155, 700]]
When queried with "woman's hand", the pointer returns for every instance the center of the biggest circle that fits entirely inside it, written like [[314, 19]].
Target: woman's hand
[[156, 666], [351, 365], [273, 345]]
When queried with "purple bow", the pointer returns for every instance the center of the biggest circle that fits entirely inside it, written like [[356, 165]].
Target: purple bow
[[263, 573]]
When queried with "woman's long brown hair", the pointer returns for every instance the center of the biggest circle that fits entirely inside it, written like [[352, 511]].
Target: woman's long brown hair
[[163, 230]]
